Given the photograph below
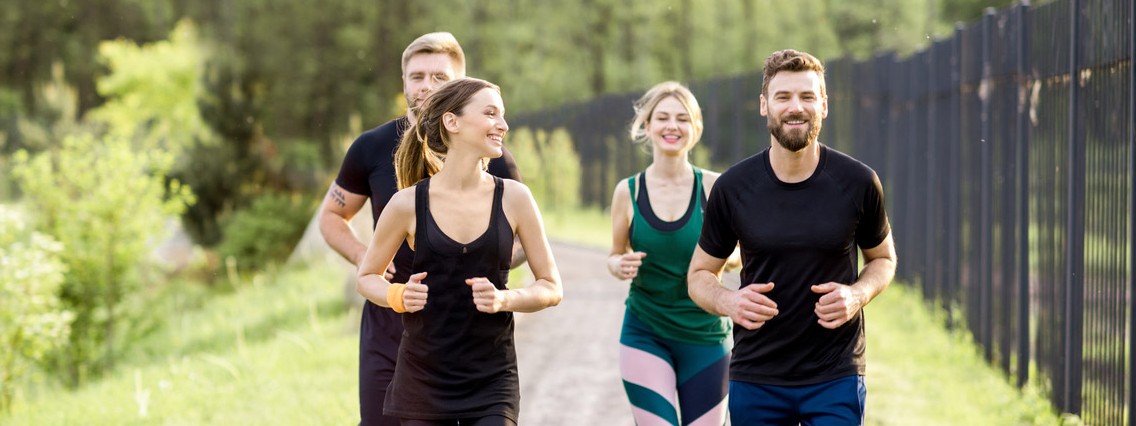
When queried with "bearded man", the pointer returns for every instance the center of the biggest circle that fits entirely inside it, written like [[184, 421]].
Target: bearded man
[[799, 211]]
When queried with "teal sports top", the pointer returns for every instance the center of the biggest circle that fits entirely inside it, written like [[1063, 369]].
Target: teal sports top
[[658, 294]]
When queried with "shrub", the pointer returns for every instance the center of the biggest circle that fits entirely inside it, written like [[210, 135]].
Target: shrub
[[105, 202], [549, 166], [33, 322], [267, 230]]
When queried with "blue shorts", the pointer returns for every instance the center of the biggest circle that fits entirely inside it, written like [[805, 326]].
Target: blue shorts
[[837, 402]]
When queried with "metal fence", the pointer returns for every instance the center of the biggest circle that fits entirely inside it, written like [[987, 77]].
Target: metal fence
[[1009, 161]]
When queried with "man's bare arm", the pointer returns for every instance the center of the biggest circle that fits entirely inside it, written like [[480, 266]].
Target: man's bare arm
[[704, 282], [879, 269], [748, 307], [336, 211]]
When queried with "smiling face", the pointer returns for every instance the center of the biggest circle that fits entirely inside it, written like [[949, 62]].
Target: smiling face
[[481, 124], [670, 127], [794, 108], [423, 73]]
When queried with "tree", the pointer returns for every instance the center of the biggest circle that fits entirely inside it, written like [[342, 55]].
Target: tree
[[864, 28], [952, 11], [152, 90], [32, 320], [105, 201], [549, 164]]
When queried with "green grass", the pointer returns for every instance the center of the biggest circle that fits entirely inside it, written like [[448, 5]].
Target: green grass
[[267, 353], [282, 349], [587, 227], [919, 373]]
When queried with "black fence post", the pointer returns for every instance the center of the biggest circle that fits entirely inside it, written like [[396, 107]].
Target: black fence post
[[985, 280], [929, 187], [1023, 190], [1075, 221], [954, 177], [1131, 391]]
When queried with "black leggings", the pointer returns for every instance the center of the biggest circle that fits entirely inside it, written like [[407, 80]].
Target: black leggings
[[491, 420]]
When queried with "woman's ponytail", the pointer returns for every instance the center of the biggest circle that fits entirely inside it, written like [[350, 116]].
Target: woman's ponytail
[[423, 145]]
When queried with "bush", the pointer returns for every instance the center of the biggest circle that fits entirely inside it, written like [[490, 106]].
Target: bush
[[267, 230], [32, 319], [549, 165], [105, 202]]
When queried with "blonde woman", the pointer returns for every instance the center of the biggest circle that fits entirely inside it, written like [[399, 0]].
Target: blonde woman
[[673, 355], [456, 362]]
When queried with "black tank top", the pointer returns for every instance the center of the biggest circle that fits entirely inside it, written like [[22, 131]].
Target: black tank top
[[455, 361]]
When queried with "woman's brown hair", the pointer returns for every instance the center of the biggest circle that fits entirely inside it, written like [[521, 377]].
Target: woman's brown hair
[[423, 145]]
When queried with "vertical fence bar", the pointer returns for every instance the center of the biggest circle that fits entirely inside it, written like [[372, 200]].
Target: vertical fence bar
[[1075, 220], [929, 186], [954, 179], [1023, 124], [1131, 213], [985, 189]]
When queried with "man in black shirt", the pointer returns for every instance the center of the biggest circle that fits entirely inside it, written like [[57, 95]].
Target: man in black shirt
[[799, 211], [368, 172]]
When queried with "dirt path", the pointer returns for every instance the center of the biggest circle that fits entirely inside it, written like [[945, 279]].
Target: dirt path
[[569, 354]]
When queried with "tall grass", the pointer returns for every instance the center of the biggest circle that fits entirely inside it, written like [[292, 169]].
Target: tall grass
[[921, 373], [277, 350]]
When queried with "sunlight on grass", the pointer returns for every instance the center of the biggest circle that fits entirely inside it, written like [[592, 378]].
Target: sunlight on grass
[[282, 352], [589, 227], [919, 373]]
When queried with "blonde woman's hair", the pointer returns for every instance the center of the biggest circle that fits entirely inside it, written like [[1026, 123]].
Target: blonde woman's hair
[[646, 104], [423, 145], [439, 42]]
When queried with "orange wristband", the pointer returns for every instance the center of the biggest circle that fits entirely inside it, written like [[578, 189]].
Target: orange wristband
[[394, 297]]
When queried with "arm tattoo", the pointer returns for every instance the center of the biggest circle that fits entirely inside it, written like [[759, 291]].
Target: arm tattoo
[[337, 196]]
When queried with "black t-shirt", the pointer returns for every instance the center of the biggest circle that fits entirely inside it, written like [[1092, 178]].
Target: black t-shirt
[[368, 169], [796, 235]]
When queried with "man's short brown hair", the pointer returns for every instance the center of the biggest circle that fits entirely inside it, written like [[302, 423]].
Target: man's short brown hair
[[792, 61]]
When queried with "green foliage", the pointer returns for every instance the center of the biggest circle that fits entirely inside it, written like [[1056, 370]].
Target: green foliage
[[866, 27], [221, 169], [700, 156], [106, 202], [316, 64], [32, 320], [56, 115], [152, 90], [972, 10], [523, 147], [549, 166], [267, 230]]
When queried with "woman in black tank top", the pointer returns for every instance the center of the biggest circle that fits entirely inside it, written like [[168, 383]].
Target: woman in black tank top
[[457, 363]]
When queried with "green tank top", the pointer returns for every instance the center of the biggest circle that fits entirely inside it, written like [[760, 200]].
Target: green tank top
[[658, 293]]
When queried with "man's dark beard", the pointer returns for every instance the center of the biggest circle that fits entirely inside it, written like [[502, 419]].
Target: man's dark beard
[[794, 141]]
